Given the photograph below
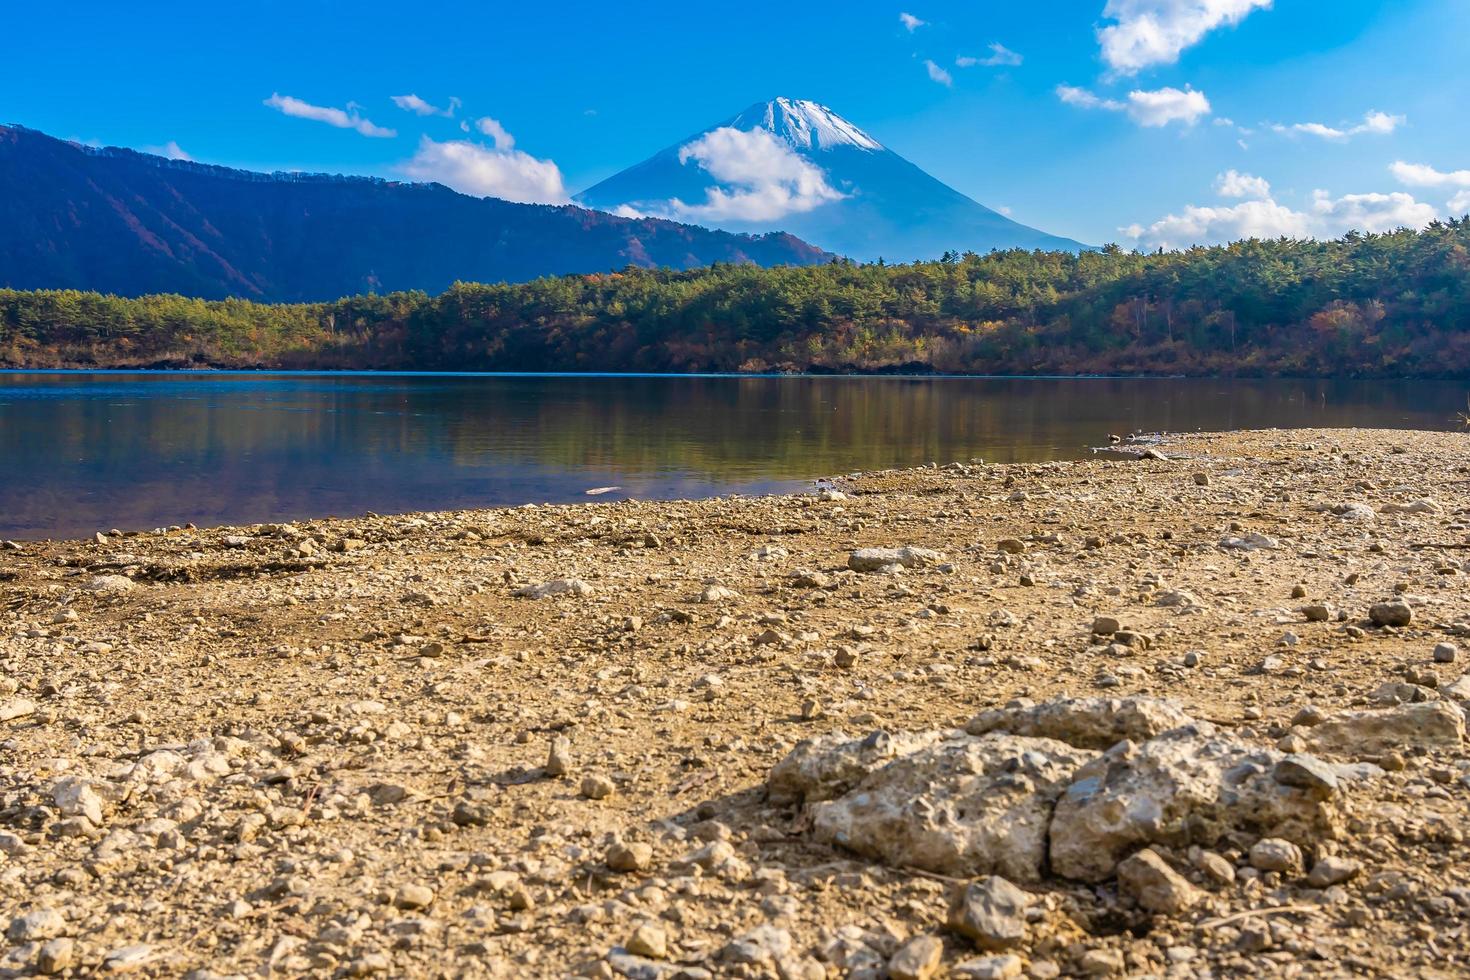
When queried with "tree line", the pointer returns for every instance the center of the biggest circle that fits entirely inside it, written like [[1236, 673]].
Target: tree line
[[1376, 305]]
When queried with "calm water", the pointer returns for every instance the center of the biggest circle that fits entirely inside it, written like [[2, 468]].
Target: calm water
[[86, 452]]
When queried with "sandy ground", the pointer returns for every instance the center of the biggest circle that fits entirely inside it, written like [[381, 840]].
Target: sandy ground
[[332, 748]]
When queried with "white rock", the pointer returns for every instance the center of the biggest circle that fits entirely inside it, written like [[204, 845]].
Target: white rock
[[876, 559], [966, 806], [75, 797], [556, 587], [110, 583], [1185, 787]]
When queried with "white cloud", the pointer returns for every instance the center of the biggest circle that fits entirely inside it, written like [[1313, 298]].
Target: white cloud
[[759, 178], [472, 168], [341, 118], [1423, 175], [1233, 183], [1372, 212], [1166, 105], [1213, 225], [492, 128], [1157, 108], [1084, 99], [1374, 122], [416, 105], [170, 149], [1264, 217], [1000, 57], [911, 23], [937, 74], [1154, 32]]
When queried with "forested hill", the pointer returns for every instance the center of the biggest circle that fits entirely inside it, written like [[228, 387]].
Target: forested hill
[[119, 221], [1367, 305]]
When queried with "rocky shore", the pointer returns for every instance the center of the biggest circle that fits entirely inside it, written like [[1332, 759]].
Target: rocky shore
[[1195, 713]]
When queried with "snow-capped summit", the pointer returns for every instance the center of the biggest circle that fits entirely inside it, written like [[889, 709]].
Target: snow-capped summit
[[804, 124], [797, 166]]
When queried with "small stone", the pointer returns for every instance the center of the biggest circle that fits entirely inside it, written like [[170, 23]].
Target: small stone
[[1318, 613], [1215, 867], [990, 912], [1000, 967], [630, 857], [56, 955], [39, 924], [468, 813], [1276, 854], [1010, 546], [559, 756], [1201, 479], [1306, 772], [878, 559], [1101, 962], [1154, 885], [649, 940], [1445, 653], [917, 959], [556, 587], [1308, 716], [1105, 626], [17, 708], [110, 583], [595, 787], [711, 856], [1331, 871], [75, 797], [1396, 613], [126, 959], [413, 896]]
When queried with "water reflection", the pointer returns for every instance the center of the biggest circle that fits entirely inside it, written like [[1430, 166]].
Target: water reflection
[[79, 452]]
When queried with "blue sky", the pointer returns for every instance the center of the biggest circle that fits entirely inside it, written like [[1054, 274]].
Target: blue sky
[[1090, 119]]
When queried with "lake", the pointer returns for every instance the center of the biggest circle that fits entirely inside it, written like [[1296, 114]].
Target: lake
[[81, 452]]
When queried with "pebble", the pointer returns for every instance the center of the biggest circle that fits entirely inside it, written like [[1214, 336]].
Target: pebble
[[636, 856], [38, 924], [650, 940], [413, 896], [1101, 962], [999, 967], [1331, 871], [1395, 613], [56, 955], [917, 959], [1276, 854], [990, 912], [1445, 653], [559, 756], [595, 787], [1154, 885]]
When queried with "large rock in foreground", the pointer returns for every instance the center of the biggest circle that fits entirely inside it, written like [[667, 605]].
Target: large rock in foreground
[[1188, 786], [965, 806], [1013, 803]]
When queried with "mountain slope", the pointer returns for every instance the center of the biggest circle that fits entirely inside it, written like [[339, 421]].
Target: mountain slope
[[118, 221], [881, 205]]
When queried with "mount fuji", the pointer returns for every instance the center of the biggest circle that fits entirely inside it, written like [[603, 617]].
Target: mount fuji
[[799, 167]]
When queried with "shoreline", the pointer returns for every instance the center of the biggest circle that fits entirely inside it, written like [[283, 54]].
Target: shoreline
[[571, 739]]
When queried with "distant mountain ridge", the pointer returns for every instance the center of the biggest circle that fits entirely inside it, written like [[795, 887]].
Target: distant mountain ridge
[[115, 220], [884, 206]]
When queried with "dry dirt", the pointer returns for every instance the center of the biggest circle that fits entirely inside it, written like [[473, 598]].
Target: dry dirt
[[327, 748]]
